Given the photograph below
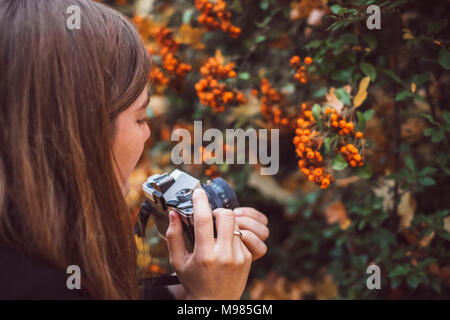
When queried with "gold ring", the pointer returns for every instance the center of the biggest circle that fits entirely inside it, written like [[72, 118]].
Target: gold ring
[[237, 233]]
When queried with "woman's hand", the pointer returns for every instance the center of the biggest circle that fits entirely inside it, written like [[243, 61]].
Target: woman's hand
[[216, 269], [253, 225]]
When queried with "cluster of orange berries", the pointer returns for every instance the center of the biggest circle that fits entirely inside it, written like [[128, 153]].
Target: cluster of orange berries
[[351, 155], [300, 70], [344, 127], [215, 16], [270, 103], [158, 76], [167, 52], [349, 151], [213, 93], [307, 148]]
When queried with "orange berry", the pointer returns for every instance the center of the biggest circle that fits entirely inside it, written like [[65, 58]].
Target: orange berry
[[295, 60], [359, 134], [343, 149], [357, 157], [308, 60], [318, 172], [353, 163]]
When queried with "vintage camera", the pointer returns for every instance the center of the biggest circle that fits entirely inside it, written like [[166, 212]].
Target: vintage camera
[[174, 191]]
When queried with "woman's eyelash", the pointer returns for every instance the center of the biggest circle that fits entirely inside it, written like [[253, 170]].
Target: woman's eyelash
[[142, 121]]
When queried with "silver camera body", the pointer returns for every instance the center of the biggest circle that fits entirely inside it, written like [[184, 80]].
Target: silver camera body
[[174, 192]]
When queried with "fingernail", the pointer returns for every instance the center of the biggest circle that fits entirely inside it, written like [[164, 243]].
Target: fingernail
[[171, 216], [238, 212], [197, 192]]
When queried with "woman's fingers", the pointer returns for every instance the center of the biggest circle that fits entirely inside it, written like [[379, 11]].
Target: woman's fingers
[[175, 241], [225, 225], [254, 244], [203, 222], [251, 213], [250, 224]]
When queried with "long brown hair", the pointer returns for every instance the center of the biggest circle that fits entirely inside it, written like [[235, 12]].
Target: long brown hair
[[60, 93]]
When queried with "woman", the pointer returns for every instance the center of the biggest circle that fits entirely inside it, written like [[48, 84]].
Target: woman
[[73, 128]]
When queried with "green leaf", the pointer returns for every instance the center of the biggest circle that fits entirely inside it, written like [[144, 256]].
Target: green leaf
[[414, 280], [313, 44], [428, 132], [444, 58], [328, 141], [288, 88], [260, 38], [420, 79], [342, 95], [427, 181], [428, 117], [446, 115], [410, 163], [335, 8], [399, 271], [396, 4], [369, 114], [361, 120], [437, 136], [187, 15], [391, 74], [395, 282], [364, 172], [339, 162], [244, 75], [264, 4], [316, 111], [236, 6], [342, 75], [369, 70], [427, 171], [436, 285], [263, 23], [426, 262], [403, 95], [320, 93]]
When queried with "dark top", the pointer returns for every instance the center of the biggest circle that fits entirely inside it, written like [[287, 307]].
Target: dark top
[[22, 277]]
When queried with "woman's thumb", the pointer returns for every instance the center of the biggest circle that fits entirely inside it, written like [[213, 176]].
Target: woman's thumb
[[175, 240]]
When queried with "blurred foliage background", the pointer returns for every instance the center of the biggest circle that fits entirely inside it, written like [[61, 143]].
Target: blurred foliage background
[[390, 87]]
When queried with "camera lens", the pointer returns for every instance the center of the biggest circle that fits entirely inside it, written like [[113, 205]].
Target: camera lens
[[220, 194]]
